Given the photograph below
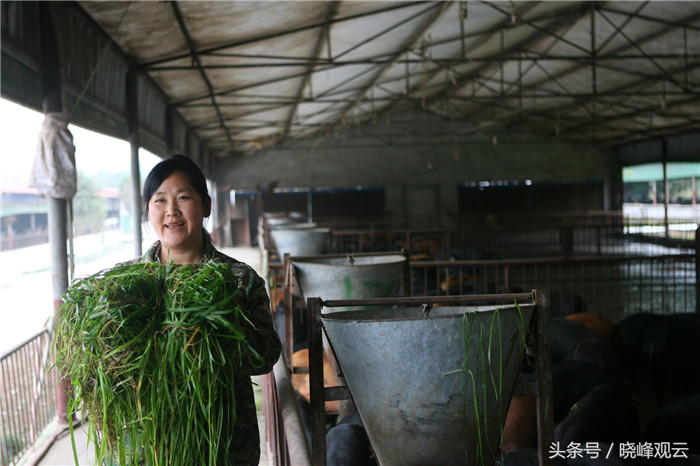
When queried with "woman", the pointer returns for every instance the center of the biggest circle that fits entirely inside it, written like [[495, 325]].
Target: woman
[[176, 202]]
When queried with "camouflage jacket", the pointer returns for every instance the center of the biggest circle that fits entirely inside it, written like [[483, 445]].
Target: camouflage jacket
[[253, 298]]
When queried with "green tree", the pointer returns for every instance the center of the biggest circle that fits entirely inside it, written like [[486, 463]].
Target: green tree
[[89, 210]]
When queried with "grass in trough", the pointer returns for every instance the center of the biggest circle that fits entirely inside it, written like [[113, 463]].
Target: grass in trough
[[483, 379]]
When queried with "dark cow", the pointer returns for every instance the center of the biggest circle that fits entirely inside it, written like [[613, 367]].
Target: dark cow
[[565, 335], [571, 380], [605, 414], [663, 351], [347, 443], [299, 324], [674, 360], [603, 353], [631, 335], [598, 324], [678, 422], [305, 414]]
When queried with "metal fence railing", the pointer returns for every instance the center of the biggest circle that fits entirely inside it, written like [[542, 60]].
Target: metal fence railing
[[27, 395], [613, 286]]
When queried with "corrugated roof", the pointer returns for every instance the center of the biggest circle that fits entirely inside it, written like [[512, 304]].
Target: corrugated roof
[[250, 75]]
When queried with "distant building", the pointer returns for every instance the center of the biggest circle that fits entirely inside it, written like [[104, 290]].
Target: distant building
[[24, 215]]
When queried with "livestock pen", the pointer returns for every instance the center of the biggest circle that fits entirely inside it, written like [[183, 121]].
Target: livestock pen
[[612, 273], [594, 266], [613, 286]]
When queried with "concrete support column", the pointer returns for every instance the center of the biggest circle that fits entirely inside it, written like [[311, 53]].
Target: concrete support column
[[58, 208], [132, 105], [58, 224]]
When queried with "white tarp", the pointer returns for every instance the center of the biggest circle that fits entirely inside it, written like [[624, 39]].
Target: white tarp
[[53, 173]]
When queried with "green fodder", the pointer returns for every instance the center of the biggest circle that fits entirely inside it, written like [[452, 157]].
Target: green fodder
[[151, 352], [485, 378]]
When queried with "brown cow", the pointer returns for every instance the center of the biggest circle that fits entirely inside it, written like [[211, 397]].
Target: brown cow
[[520, 429], [598, 324], [301, 384]]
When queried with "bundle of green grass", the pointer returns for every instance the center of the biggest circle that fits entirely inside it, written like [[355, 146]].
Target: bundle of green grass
[[151, 352]]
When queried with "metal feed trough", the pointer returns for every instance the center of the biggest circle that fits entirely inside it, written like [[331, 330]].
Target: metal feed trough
[[431, 377], [301, 240], [342, 276]]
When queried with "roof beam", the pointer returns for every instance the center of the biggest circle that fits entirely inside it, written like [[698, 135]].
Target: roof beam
[[277, 34], [430, 76], [636, 15], [191, 45], [474, 112], [415, 35], [443, 62], [323, 34]]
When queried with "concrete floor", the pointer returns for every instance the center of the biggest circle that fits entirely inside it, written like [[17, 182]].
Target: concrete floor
[[60, 452]]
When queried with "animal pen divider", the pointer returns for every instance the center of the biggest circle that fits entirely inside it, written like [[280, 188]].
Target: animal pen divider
[[613, 286], [412, 419]]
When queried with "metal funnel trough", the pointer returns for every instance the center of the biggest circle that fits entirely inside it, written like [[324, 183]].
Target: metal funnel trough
[[300, 241], [283, 218], [350, 277], [421, 397]]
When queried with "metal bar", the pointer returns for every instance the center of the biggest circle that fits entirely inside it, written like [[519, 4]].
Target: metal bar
[[608, 7], [634, 44], [430, 76], [543, 373], [340, 392], [270, 409], [202, 72], [627, 85], [331, 10], [466, 79], [27, 392], [547, 31], [132, 103], [52, 84], [280, 34], [297, 443], [419, 300], [19, 346], [288, 308], [317, 409], [442, 6]]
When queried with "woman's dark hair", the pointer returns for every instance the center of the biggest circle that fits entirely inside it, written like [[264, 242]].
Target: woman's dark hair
[[177, 163]]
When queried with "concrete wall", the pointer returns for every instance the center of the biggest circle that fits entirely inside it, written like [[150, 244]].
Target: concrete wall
[[420, 159]]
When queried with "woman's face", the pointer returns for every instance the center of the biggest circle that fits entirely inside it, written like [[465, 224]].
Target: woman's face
[[176, 212]]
